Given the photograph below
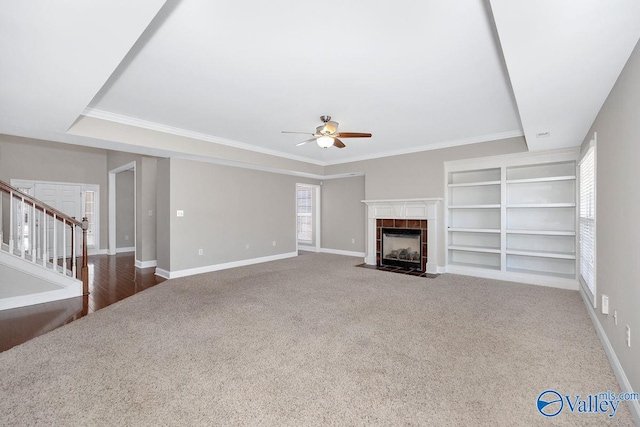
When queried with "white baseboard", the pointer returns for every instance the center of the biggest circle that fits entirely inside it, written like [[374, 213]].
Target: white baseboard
[[163, 273], [146, 264], [623, 381], [97, 252], [307, 248], [530, 279], [216, 267], [341, 252], [123, 250]]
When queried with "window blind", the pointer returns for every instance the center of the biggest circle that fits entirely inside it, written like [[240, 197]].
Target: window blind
[[304, 203], [587, 225]]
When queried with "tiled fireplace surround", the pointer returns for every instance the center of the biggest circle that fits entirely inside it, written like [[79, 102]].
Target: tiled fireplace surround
[[420, 224], [404, 213]]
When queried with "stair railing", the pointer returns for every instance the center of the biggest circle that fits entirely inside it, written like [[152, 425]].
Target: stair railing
[[37, 232]]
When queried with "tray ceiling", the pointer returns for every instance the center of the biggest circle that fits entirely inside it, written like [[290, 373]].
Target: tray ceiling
[[417, 75]]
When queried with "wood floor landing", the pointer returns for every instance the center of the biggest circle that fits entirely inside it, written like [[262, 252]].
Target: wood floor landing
[[111, 279]]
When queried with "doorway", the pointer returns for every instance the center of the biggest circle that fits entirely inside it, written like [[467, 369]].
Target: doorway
[[114, 180]]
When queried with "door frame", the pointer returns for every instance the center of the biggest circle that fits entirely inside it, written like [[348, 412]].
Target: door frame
[[112, 207]]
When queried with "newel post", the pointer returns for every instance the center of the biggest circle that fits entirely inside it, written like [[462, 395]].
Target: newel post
[[85, 263]]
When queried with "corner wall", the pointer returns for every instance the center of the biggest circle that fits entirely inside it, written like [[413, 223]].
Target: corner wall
[[344, 216], [234, 215], [617, 213]]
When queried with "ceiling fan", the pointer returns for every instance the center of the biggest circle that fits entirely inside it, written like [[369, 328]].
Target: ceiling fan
[[327, 134]]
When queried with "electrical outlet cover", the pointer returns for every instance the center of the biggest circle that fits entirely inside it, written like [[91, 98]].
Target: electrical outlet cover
[[605, 304]]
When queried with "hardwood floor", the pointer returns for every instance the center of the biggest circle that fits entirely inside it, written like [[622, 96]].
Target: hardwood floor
[[111, 279]]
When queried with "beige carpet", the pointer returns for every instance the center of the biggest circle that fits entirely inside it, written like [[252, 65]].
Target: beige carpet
[[313, 340]]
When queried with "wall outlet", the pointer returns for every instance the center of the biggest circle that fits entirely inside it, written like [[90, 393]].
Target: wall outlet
[[628, 335], [150, 213], [605, 304], [179, 213], [200, 251], [247, 246], [274, 243], [615, 317], [126, 237], [353, 241]]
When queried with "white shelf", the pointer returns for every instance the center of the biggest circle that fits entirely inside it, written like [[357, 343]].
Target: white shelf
[[542, 254], [540, 272], [482, 266], [474, 249], [513, 216], [474, 184], [542, 205], [475, 230], [544, 179], [543, 232], [494, 206]]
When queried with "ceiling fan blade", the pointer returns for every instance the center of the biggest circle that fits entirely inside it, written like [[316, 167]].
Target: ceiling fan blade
[[338, 143], [303, 133], [308, 140], [354, 135]]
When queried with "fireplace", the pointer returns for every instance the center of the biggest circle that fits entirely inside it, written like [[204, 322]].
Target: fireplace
[[401, 247], [404, 213], [402, 244]]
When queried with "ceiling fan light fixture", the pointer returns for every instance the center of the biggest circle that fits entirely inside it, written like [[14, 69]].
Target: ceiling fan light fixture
[[325, 141]]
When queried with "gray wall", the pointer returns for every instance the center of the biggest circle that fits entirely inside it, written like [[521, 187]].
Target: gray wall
[[36, 160], [343, 214], [225, 209], [618, 214], [420, 175], [125, 203]]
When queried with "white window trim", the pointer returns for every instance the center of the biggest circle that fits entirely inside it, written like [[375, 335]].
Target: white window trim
[[591, 295], [315, 245]]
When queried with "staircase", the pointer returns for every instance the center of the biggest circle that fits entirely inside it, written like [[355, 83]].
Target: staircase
[[38, 260]]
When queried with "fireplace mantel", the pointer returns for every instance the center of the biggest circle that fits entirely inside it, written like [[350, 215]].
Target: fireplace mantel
[[404, 209]]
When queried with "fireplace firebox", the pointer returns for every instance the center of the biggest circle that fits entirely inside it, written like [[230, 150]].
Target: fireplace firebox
[[401, 247]]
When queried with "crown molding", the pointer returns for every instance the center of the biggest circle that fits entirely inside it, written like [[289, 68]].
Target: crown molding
[[434, 146], [145, 124]]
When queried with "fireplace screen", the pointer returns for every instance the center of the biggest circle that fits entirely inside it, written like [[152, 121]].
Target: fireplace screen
[[401, 247]]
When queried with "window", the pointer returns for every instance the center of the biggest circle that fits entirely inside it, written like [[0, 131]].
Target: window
[[305, 214], [90, 214], [587, 225]]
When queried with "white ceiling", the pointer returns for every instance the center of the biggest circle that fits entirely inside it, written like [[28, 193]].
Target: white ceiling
[[417, 74]]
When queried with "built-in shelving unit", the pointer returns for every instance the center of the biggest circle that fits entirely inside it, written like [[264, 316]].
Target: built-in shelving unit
[[513, 217]]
